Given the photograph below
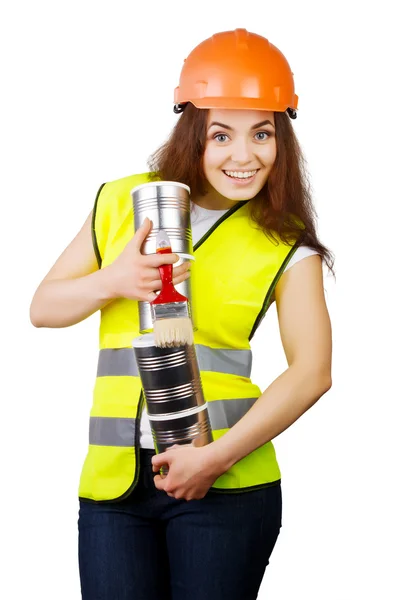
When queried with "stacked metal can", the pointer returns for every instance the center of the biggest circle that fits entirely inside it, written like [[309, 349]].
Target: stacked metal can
[[167, 204], [174, 396], [170, 377]]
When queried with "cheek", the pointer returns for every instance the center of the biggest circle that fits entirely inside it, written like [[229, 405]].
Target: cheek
[[213, 158], [268, 154]]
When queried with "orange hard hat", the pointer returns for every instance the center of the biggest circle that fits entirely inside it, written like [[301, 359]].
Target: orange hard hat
[[237, 69]]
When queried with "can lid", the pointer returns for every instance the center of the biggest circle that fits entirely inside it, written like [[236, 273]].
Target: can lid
[[159, 184], [188, 256], [144, 341]]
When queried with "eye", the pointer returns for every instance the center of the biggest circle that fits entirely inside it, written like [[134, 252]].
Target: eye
[[261, 136], [221, 137]]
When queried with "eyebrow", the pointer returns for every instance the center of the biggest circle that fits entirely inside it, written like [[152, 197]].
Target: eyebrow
[[256, 126]]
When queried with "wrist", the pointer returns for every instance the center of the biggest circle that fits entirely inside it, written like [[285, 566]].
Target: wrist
[[106, 284], [217, 458]]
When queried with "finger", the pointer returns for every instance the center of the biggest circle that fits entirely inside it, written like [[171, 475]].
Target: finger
[[156, 260], [180, 279], [147, 291], [155, 285], [151, 278], [184, 268], [141, 234], [159, 482], [159, 460], [151, 274]]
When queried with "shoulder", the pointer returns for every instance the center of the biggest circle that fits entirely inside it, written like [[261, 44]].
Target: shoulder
[[123, 186], [114, 197], [113, 208], [297, 256], [305, 275], [300, 253]]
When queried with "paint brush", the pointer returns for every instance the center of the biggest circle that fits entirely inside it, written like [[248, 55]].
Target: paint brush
[[172, 325]]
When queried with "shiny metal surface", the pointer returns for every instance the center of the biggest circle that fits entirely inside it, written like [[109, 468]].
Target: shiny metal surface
[[192, 430], [173, 392], [167, 204]]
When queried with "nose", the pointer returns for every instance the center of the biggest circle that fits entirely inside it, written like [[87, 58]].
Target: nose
[[241, 151]]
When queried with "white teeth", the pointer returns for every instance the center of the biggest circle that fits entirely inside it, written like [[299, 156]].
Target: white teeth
[[241, 174]]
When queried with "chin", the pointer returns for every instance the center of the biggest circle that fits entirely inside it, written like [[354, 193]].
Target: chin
[[239, 194]]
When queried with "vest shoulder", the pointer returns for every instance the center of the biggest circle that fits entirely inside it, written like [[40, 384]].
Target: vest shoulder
[[114, 197], [243, 222], [113, 210], [124, 185]]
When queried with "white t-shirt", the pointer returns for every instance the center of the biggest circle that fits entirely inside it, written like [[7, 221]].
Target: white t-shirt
[[202, 219]]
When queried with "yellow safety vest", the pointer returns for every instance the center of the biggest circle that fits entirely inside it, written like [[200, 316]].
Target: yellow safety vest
[[232, 280]]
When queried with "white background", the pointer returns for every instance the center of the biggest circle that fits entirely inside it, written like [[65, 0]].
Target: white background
[[87, 93]]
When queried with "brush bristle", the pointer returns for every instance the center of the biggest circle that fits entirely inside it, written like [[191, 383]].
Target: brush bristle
[[173, 332]]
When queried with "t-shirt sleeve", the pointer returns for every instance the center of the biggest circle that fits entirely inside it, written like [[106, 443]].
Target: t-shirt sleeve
[[300, 253]]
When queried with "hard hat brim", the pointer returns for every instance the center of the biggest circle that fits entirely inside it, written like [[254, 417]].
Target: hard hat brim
[[241, 104]]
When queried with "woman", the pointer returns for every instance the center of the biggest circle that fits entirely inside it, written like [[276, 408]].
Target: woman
[[206, 530]]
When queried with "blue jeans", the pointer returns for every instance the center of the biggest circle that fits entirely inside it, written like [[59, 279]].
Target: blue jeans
[[153, 547]]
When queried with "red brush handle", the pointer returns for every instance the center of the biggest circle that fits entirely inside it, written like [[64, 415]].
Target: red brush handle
[[168, 292]]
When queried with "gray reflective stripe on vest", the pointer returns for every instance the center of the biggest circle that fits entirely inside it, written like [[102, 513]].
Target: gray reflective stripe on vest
[[118, 362], [235, 362], [110, 431], [122, 361], [226, 413]]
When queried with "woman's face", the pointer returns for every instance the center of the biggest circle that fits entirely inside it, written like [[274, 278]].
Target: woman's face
[[240, 151]]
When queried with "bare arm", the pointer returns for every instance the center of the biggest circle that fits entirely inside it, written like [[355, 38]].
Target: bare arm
[[75, 288], [306, 337]]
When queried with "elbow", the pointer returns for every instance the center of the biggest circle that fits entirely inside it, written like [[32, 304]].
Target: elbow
[[326, 383], [36, 324], [37, 309], [35, 313], [35, 317], [319, 379], [323, 380]]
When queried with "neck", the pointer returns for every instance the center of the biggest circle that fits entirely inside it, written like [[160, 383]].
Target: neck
[[214, 201]]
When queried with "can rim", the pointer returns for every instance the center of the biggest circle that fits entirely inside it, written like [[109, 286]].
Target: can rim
[[159, 184], [144, 341], [181, 414]]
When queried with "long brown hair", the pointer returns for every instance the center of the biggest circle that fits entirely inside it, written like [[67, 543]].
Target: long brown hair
[[283, 208]]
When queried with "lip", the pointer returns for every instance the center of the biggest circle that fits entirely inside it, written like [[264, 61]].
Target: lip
[[237, 181]]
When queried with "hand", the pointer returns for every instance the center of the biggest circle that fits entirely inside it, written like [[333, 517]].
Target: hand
[[136, 276], [191, 471]]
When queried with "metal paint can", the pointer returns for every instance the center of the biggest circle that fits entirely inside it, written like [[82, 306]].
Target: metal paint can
[[173, 392], [167, 204]]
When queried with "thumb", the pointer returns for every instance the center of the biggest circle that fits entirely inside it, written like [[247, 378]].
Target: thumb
[[159, 460], [141, 234]]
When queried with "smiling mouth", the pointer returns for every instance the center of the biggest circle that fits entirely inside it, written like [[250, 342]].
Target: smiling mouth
[[241, 174]]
